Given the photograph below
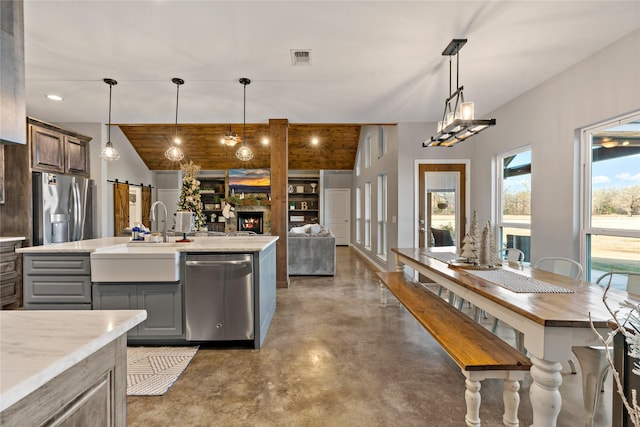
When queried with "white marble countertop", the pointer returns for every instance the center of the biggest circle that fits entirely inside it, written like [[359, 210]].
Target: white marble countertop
[[198, 244], [11, 239], [36, 346]]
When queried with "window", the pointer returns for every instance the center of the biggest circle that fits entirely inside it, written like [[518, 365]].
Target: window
[[514, 201], [367, 151], [358, 215], [611, 197], [382, 142], [367, 215], [382, 216], [358, 163]]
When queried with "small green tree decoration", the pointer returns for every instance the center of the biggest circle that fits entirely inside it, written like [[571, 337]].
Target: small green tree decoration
[[190, 194]]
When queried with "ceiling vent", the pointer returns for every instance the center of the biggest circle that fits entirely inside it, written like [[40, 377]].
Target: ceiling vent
[[300, 57]]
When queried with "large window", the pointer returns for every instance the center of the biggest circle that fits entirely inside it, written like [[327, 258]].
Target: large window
[[382, 142], [367, 151], [358, 215], [382, 216], [611, 197], [367, 215], [514, 200]]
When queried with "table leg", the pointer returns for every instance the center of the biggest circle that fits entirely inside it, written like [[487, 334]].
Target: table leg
[[545, 396]]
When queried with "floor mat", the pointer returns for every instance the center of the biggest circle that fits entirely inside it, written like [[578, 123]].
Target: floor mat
[[151, 371]]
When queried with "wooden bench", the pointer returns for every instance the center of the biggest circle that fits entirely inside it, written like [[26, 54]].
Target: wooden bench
[[479, 353]]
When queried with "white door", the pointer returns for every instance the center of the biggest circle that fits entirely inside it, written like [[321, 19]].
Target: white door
[[170, 198], [337, 213]]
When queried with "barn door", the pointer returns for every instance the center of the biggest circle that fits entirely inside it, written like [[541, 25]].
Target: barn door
[[120, 207], [146, 207]]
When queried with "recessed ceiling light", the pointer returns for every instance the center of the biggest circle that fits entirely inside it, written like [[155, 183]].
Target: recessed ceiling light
[[53, 97], [314, 141], [265, 141]]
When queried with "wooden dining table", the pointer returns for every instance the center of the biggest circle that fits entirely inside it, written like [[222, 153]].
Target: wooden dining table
[[552, 322]]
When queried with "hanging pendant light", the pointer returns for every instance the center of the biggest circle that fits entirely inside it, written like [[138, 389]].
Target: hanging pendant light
[[109, 152], [174, 153], [230, 139], [244, 153]]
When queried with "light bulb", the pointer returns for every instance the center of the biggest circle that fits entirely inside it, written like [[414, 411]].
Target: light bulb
[[466, 110]]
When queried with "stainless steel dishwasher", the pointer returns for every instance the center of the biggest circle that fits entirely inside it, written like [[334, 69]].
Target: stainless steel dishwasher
[[219, 297]]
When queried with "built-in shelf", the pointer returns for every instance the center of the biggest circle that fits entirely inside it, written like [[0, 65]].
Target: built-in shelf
[[304, 200]]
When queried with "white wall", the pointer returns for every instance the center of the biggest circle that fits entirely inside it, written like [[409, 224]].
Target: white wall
[[605, 85]]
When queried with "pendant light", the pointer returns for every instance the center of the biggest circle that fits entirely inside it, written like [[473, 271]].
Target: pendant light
[[244, 153], [109, 152], [174, 153], [458, 121], [230, 139]]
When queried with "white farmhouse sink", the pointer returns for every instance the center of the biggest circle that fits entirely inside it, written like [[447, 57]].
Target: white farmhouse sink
[[154, 262]]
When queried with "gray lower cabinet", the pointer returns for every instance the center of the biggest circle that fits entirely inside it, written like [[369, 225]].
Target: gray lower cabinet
[[163, 302], [57, 282]]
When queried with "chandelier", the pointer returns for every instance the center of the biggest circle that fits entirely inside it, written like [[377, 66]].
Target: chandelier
[[230, 139], [458, 122]]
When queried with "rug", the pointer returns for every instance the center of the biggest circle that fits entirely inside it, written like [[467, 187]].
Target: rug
[[151, 371]]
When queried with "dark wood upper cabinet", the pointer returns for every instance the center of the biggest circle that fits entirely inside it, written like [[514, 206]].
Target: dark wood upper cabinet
[[77, 156], [47, 149], [54, 149]]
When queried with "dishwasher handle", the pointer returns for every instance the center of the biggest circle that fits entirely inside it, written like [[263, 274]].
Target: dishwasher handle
[[221, 262]]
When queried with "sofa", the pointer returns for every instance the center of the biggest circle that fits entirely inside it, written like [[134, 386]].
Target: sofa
[[312, 251]]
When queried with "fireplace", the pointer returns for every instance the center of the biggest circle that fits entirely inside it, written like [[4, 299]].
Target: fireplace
[[250, 221]]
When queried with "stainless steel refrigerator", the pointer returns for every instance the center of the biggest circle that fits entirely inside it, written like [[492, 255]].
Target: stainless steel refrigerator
[[63, 208]]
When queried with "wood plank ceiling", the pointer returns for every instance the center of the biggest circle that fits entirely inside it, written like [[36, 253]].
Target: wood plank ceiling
[[336, 148]]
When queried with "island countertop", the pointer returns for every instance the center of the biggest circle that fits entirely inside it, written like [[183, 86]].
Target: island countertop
[[37, 346], [198, 244]]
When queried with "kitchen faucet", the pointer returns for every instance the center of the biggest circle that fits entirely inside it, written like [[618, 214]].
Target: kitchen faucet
[[153, 218]]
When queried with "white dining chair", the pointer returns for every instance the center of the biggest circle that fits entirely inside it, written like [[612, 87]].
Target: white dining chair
[[564, 266], [593, 364], [512, 255], [516, 256]]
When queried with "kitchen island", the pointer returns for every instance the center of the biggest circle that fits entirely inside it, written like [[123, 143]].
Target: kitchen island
[[116, 273], [66, 367]]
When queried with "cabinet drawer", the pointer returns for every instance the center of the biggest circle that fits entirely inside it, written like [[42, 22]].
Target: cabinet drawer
[[9, 247], [70, 289], [9, 290], [8, 263], [57, 264]]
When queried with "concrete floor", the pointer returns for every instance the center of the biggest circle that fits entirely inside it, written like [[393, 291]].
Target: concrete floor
[[334, 357]]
